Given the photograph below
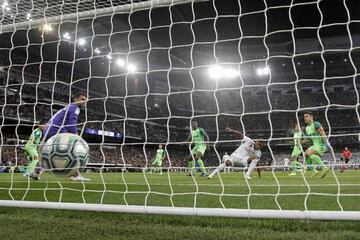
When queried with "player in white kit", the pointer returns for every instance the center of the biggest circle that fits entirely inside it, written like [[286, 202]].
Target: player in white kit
[[226, 156], [248, 153]]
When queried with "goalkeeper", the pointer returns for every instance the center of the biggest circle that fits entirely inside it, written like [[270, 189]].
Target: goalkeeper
[[31, 150]]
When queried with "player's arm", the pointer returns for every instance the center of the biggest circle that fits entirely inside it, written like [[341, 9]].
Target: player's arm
[[240, 134], [163, 156], [304, 139], [321, 131]]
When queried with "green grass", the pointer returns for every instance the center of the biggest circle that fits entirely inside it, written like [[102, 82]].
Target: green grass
[[134, 189]]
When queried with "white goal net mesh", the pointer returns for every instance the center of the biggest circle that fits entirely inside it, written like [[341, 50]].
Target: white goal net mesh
[[151, 68]]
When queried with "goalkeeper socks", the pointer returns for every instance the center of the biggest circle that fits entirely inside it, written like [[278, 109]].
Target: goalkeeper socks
[[191, 167], [201, 165], [32, 166], [218, 169], [317, 160]]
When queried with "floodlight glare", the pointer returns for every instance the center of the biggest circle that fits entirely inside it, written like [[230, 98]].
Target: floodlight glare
[[47, 28], [131, 68], [82, 42], [230, 73], [263, 71], [216, 72], [67, 36], [120, 62], [97, 51]]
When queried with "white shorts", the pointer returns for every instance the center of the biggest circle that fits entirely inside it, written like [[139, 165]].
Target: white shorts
[[236, 160]]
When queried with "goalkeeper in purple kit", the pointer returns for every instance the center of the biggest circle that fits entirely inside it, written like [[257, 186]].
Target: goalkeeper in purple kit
[[65, 121]]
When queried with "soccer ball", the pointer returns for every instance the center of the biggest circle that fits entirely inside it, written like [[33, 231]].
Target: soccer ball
[[64, 154]]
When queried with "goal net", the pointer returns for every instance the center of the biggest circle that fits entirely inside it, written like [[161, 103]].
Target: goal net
[[151, 69]]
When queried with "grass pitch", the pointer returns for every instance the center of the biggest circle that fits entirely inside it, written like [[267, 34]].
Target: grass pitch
[[273, 191]]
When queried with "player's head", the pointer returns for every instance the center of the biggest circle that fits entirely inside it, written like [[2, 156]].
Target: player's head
[[194, 125], [42, 125], [297, 127], [160, 146], [225, 153], [308, 117], [80, 99], [258, 145], [346, 148]]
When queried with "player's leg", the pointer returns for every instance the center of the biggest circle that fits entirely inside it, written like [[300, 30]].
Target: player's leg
[[191, 162], [200, 152], [34, 156], [294, 163], [228, 162], [313, 153], [251, 168]]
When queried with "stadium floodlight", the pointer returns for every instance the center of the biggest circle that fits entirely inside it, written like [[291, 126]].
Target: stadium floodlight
[[28, 16], [131, 68], [81, 41], [67, 36], [47, 27], [120, 62], [97, 50], [216, 72], [109, 56]]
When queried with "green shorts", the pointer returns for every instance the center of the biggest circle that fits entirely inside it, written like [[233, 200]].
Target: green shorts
[[296, 151], [157, 162], [31, 151], [320, 149], [198, 148]]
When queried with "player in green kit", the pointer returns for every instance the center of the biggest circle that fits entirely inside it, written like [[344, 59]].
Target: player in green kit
[[198, 135], [31, 150], [320, 145], [157, 163], [297, 151]]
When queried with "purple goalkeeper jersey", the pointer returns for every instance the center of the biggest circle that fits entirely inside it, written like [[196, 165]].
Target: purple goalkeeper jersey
[[64, 121]]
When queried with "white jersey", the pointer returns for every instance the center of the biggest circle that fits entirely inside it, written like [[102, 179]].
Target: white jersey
[[226, 156], [286, 162], [244, 151]]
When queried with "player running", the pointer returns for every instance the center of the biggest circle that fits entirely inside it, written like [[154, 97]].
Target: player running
[[247, 154], [31, 150], [157, 163], [65, 121], [320, 145], [200, 139], [297, 151]]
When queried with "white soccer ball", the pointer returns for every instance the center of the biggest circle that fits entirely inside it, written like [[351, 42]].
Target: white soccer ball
[[64, 154]]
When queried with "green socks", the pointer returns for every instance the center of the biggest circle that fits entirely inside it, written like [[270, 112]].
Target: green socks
[[201, 165], [294, 165], [191, 167], [31, 167]]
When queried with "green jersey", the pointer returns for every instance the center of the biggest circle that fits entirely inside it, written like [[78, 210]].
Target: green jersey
[[312, 132], [160, 153], [35, 138], [297, 137], [198, 136]]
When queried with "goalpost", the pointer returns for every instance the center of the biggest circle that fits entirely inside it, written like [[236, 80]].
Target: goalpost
[[150, 67]]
